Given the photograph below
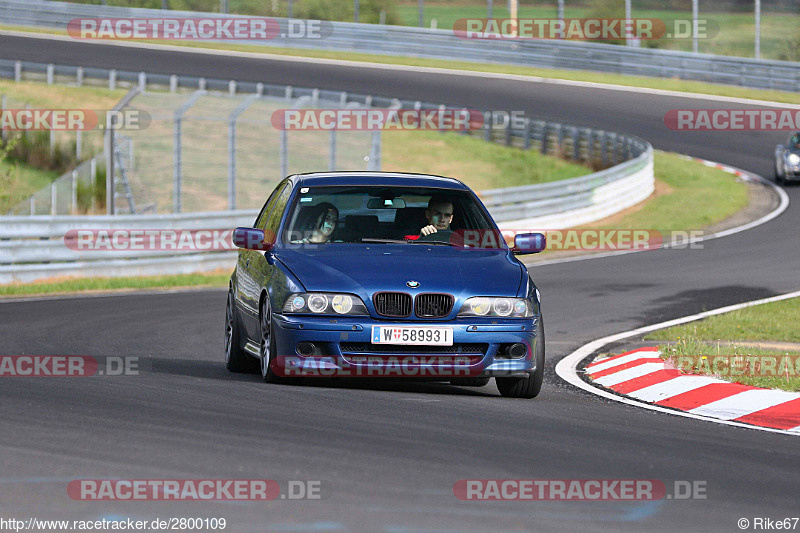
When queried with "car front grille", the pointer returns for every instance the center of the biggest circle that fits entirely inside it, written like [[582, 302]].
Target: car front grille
[[392, 304], [433, 305]]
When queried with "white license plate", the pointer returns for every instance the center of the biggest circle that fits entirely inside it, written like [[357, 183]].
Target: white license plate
[[411, 335]]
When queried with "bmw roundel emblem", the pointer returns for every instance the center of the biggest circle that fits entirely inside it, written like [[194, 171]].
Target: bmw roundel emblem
[[413, 284]]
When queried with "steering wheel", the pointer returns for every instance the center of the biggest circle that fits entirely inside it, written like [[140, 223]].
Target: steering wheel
[[442, 235]]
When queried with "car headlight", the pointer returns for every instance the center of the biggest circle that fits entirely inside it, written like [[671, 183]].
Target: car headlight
[[793, 159], [496, 307], [324, 303]]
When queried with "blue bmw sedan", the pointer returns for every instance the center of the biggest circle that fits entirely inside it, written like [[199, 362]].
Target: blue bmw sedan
[[377, 274]]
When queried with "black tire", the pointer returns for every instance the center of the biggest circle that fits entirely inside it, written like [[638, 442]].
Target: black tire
[[236, 360], [267, 346], [470, 382], [531, 386]]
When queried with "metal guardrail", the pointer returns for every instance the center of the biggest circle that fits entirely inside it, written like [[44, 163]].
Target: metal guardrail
[[444, 44]]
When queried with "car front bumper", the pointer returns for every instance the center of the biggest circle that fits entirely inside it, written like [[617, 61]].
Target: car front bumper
[[343, 348]]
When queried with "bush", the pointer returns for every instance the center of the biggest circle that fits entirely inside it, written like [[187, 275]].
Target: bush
[[34, 150]]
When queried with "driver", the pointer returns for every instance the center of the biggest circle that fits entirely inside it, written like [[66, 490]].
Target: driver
[[439, 215]]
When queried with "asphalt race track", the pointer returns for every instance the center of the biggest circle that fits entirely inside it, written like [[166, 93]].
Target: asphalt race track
[[388, 454]]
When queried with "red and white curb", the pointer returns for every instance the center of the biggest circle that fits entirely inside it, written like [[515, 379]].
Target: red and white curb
[[567, 369], [641, 374]]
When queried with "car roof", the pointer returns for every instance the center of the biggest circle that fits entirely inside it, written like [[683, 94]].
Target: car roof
[[383, 179]]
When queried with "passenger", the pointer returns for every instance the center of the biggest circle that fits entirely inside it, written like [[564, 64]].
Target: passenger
[[319, 224]]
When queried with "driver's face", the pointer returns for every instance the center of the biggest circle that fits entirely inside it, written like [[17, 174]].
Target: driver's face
[[440, 215]]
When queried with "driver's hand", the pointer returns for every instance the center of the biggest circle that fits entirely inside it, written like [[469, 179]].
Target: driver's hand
[[427, 230]]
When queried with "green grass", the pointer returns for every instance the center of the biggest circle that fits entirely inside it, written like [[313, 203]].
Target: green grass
[[758, 367], [775, 321], [695, 196], [571, 75], [772, 322], [18, 182], [214, 279], [735, 37], [479, 164]]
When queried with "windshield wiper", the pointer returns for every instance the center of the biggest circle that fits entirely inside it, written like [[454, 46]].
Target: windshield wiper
[[384, 241]]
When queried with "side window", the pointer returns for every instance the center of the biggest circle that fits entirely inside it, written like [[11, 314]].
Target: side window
[[261, 220], [274, 218]]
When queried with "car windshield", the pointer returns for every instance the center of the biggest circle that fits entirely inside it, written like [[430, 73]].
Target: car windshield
[[390, 215]]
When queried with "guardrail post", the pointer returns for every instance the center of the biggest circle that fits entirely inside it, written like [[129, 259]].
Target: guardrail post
[[604, 148], [576, 144], [332, 150], [343, 98], [288, 95], [33, 205], [561, 135], [232, 148], [173, 83], [375, 151], [527, 134], [545, 136], [53, 198], [442, 110], [232, 87], [27, 108], [79, 76], [315, 97], [201, 84], [74, 191], [142, 82], [368, 100], [259, 89], [2, 108], [284, 153], [177, 156], [92, 182], [508, 134], [487, 127], [50, 69], [591, 150], [112, 79], [109, 154], [17, 71]]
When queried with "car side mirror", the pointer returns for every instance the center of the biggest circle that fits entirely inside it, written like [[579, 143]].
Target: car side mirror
[[529, 243], [251, 239]]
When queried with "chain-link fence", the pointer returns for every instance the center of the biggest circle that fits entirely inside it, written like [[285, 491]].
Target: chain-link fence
[[210, 151]]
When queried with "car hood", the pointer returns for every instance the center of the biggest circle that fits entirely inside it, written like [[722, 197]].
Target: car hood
[[364, 270]]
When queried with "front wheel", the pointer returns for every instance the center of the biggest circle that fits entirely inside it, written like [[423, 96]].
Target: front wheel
[[531, 386], [236, 360], [268, 351]]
